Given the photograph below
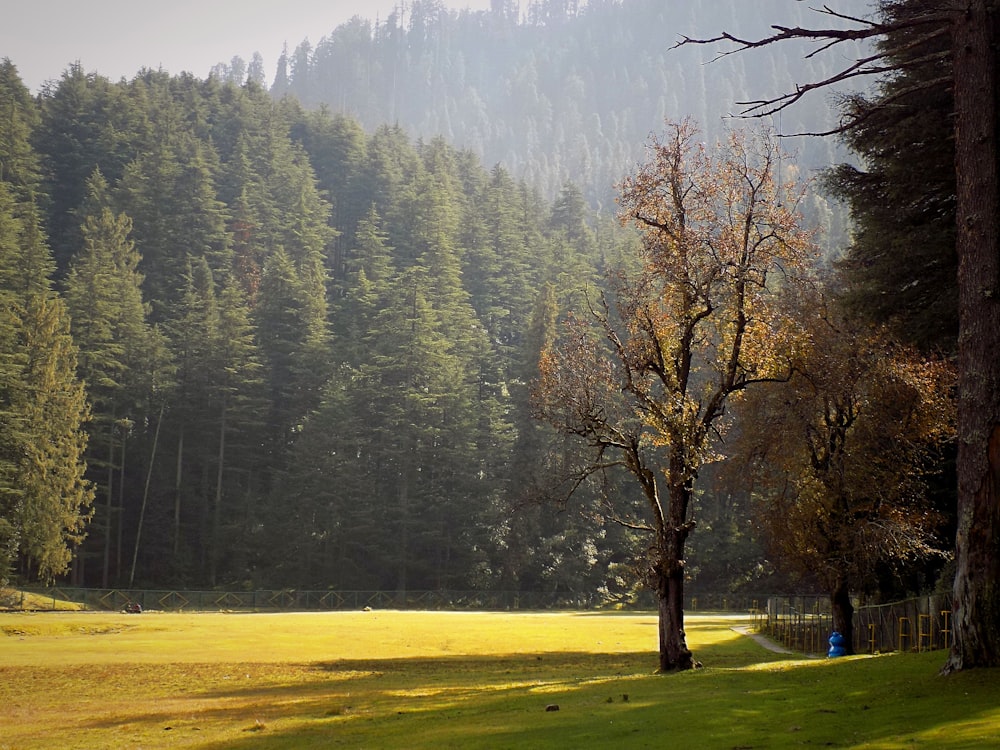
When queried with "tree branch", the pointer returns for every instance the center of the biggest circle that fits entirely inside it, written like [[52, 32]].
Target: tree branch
[[864, 66]]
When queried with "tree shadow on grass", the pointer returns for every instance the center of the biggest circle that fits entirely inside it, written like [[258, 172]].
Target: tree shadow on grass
[[745, 698], [351, 697]]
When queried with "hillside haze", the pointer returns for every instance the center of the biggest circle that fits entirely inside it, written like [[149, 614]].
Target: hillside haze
[[567, 91]]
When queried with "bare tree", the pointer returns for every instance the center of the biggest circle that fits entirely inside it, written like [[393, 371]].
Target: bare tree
[[645, 381]]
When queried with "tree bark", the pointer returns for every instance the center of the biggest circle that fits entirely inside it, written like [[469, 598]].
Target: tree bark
[[674, 653], [976, 617], [177, 495], [843, 614], [109, 506], [217, 504], [403, 538]]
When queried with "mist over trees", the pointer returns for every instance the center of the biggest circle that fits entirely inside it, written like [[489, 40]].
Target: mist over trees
[[560, 91]]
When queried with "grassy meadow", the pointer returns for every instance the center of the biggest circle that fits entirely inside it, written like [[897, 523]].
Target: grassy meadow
[[387, 679]]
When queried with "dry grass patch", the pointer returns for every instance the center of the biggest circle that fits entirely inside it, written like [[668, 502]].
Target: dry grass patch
[[16, 600], [305, 637]]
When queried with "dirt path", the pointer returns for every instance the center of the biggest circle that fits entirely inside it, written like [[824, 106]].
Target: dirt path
[[763, 640]]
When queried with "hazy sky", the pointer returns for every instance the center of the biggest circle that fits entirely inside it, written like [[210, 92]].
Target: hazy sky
[[117, 38]]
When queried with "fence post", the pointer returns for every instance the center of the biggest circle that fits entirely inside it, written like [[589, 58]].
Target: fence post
[[906, 632], [921, 633], [946, 627]]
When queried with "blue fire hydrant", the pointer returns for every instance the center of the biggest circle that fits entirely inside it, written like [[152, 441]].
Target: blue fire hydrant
[[837, 645]]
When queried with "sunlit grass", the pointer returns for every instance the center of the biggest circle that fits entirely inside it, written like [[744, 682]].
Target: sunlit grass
[[469, 680], [15, 599]]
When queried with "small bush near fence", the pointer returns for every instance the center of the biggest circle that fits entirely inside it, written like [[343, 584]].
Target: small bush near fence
[[805, 623]]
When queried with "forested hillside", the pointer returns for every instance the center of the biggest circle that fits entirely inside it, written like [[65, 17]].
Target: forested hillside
[[291, 333], [563, 90], [306, 349]]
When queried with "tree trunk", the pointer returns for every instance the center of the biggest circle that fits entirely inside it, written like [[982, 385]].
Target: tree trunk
[[674, 653], [177, 494], [403, 538], [217, 504], [120, 541], [109, 505], [976, 617], [843, 614]]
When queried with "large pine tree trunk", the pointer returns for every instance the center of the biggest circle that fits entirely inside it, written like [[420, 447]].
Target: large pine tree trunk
[[403, 539], [976, 615], [177, 495], [217, 504], [109, 505]]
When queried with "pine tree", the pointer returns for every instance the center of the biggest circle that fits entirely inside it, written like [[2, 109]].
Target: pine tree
[[170, 195], [57, 497], [897, 206], [521, 519], [391, 166], [369, 270], [193, 334], [574, 255], [14, 432], [87, 124], [336, 146], [121, 356], [44, 498], [330, 495], [20, 167], [237, 402], [291, 334]]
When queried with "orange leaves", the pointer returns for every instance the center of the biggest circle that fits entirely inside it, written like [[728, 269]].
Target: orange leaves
[[839, 453], [700, 320], [715, 217], [576, 384], [721, 242]]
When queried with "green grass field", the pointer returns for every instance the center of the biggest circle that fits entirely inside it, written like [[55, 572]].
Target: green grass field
[[459, 680]]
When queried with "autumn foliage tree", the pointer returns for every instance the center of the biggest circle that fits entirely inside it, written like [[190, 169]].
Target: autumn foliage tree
[[643, 378], [839, 455]]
